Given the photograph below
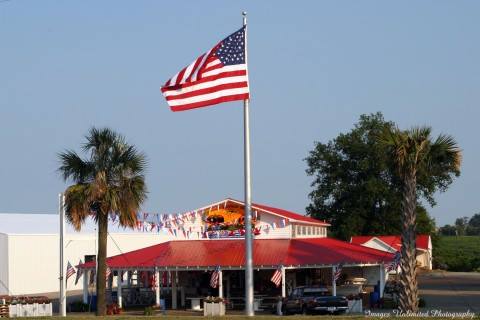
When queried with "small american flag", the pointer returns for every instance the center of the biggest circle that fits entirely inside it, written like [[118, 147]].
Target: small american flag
[[92, 277], [70, 270], [215, 277], [277, 277], [395, 262], [108, 272], [79, 272], [338, 272], [219, 75]]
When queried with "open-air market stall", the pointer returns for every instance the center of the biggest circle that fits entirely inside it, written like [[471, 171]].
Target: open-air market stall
[[179, 272]]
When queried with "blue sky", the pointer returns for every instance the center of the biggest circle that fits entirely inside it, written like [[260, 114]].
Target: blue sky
[[315, 66]]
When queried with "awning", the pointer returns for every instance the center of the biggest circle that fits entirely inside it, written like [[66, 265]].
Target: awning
[[267, 253]]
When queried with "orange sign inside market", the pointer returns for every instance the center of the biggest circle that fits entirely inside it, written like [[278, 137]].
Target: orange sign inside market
[[229, 215]]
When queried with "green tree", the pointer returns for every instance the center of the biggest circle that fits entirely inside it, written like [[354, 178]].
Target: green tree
[[461, 225], [447, 230], [473, 227], [109, 181], [355, 186], [416, 156]]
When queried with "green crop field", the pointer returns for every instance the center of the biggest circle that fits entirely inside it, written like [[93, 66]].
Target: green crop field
[[457, 253]]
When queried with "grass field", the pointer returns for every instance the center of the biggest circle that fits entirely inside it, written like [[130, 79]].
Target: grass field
[[241, 317], [457, 253]]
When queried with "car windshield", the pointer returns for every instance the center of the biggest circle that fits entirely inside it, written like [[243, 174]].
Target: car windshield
[[315, 292]]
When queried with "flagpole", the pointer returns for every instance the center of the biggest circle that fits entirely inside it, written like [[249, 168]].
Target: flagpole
[[248, 201], [62, 300]]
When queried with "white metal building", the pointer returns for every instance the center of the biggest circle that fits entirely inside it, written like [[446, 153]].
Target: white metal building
[[29, 251]]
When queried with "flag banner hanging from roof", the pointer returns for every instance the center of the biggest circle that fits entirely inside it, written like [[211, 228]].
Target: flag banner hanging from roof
[[70, 270], [395, 262], [277, 277], [79, 272], [215, 276], [219, 75], [338, 272]]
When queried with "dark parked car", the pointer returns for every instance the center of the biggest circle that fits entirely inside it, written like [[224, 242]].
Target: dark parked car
[[314, 300]]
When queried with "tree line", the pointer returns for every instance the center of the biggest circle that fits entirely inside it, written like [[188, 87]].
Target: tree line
[[464, 226]]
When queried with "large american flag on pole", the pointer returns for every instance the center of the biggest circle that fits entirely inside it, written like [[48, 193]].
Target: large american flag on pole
[[219, 75]]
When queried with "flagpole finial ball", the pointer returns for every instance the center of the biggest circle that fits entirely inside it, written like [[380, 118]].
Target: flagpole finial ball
[[244, 13]]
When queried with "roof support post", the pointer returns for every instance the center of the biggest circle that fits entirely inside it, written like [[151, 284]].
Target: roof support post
[[220, 283], [334, 283], [284, 291], [174, 289], [85, 286], [382, 279], [119, 288], [157, 287]]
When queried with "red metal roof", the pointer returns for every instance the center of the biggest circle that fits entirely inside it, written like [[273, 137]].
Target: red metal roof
[[393, 241], [292, 216], [267, 252]]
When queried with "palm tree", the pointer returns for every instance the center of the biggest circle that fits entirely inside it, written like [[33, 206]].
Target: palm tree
[[109, 181], [415, 154]]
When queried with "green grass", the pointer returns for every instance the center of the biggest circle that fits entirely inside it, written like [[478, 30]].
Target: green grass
[[356, 317], [457, 253]]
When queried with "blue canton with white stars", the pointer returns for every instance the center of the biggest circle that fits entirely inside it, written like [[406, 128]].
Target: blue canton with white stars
[[232, 49]]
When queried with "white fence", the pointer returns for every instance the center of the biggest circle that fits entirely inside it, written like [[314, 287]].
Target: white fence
[[30, 310]]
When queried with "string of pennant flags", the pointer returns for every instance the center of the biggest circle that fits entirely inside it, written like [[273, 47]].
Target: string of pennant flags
[[175, 224]]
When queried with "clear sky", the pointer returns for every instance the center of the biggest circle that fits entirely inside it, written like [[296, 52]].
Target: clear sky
[[315, 66]]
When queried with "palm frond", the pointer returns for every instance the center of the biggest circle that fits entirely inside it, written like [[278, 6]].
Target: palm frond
[[73, 167], [77, 201], [116, 181]]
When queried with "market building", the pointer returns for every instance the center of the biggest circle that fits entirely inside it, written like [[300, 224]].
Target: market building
[[393, 244], [211, 239]]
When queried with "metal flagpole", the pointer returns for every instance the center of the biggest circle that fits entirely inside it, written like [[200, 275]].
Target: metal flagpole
[[248, 201], [62, 300]]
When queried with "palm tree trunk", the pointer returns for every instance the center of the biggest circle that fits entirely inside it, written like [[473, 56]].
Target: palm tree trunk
[[408, 276], [101, 267]]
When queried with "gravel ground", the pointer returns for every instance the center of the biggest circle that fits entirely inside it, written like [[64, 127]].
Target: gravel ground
[[451, 291]]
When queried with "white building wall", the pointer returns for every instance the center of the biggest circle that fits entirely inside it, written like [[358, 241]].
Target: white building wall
[[3, 264], [308, 231], [272, 227], [33, 263]]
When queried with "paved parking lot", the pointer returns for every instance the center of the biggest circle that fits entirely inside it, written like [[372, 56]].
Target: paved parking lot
[[451, 291]]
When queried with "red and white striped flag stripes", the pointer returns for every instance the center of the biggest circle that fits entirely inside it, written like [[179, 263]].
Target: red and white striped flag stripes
[[277, 277], [220, 75]]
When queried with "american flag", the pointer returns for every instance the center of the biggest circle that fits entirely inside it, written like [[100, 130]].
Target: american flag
[[70, 270], [395, 262], [277, 277], [215, 277], [92, 277], [79, 272], [108, 272], [338, 272], [217, 76]]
